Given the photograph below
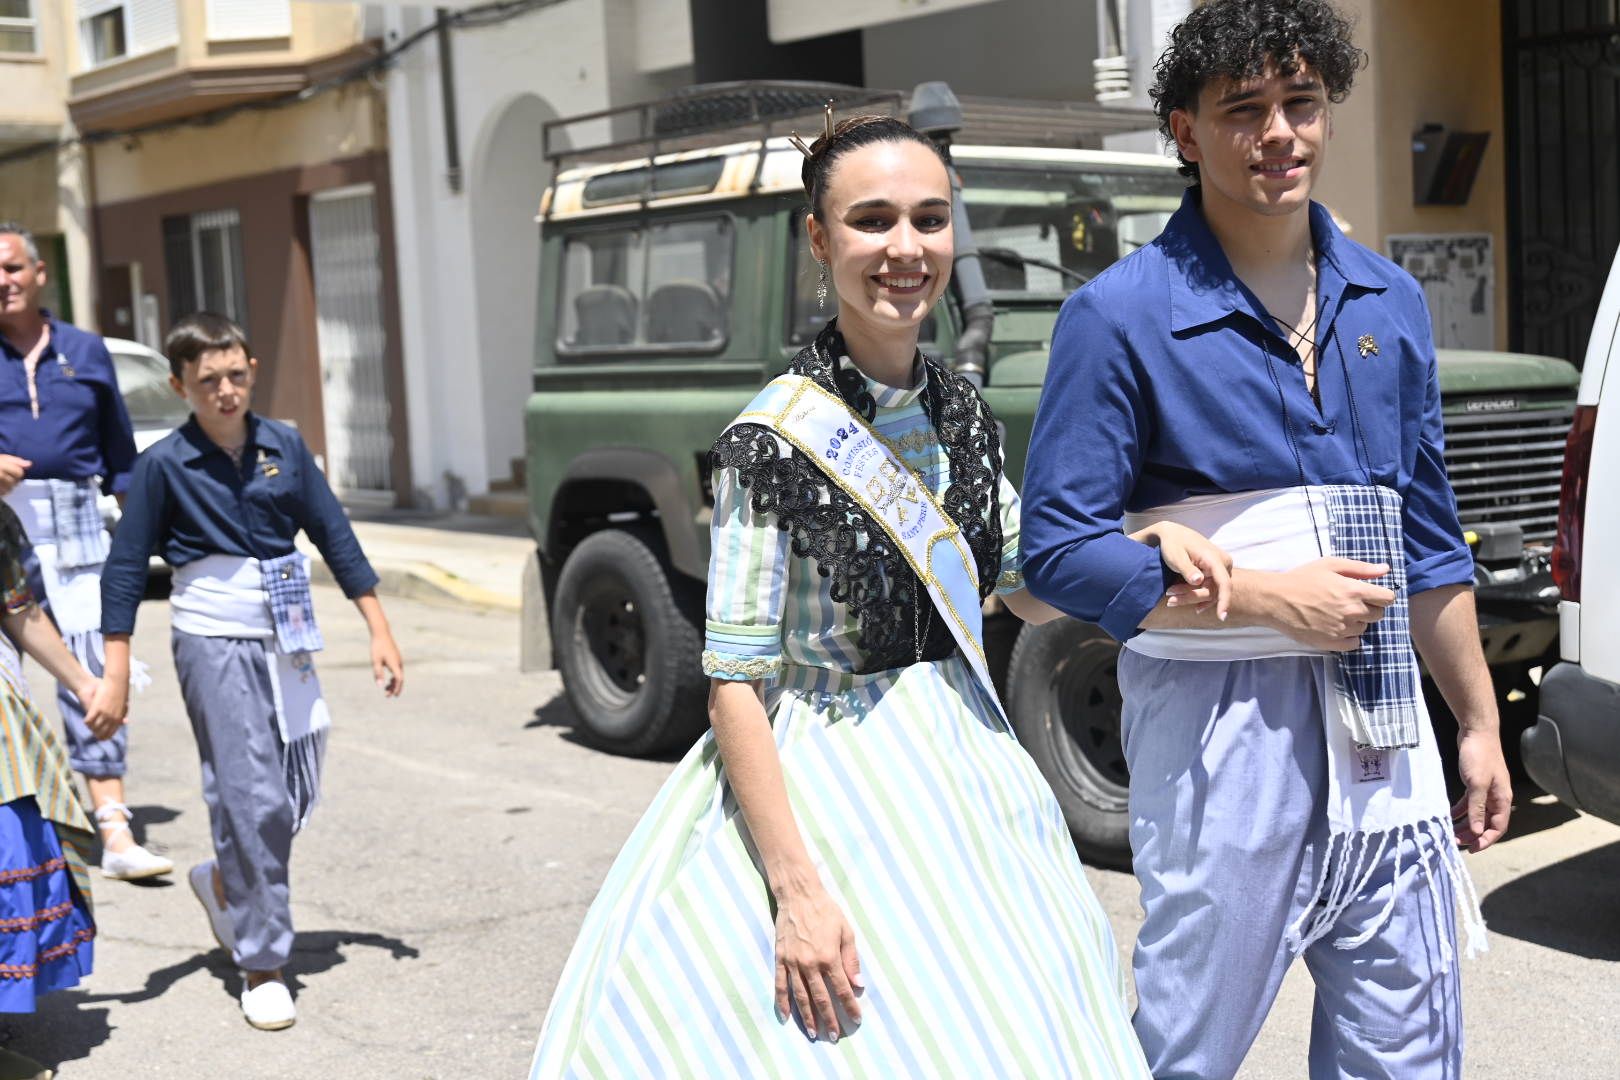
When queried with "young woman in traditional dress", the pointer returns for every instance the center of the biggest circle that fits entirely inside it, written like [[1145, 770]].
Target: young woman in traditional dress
[[857, 872]]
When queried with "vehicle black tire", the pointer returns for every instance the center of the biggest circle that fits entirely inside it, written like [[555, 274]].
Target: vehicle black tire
[[629, 646], [1064, 703]]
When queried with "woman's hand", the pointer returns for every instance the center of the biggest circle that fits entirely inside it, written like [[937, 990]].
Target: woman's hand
[[1206, 569], [816, 961]]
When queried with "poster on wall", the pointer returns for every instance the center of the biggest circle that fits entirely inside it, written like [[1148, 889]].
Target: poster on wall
[[1458, 275]]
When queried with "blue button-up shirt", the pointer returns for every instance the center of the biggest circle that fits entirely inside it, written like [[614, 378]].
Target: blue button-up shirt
[[1168, 380], [83, 427], [186, 500]]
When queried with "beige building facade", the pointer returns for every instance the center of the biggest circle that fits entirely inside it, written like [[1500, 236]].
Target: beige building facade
[[44, 185], [237, 154]]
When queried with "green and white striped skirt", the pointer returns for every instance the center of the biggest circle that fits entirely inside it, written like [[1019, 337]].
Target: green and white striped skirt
[[984, 951]]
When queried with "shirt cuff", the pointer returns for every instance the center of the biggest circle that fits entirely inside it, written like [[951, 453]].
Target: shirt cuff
[[1122, 618], [116, 484], [741, 653], [1452, 567]]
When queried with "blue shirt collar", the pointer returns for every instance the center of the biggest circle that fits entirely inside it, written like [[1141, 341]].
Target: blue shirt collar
[[51, 347], [1203, 288], [199, 445]]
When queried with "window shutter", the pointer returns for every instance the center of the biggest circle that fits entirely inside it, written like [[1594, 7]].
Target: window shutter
[[151, 24], [244, 20], [85, 9]]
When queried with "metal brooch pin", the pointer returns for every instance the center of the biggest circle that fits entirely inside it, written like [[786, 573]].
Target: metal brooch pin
[[1366, 345]]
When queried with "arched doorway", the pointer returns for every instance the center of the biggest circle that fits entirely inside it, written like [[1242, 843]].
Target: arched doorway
[[509, 175]]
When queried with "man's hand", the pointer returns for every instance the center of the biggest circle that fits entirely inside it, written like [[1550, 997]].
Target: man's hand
[[12, 471], [1329, 603], [1480, 817]]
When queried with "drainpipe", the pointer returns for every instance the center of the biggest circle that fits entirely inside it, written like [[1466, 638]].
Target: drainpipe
[[447, 88]]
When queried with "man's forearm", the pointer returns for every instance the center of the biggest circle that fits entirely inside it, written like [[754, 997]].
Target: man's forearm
[[1445, 630], [1252, 605]]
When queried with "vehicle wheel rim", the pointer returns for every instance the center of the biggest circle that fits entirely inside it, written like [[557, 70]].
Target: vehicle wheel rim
[[615, 641], [1086, 702]]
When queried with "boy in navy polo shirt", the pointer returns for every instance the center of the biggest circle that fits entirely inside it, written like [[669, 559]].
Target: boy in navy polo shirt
[[1258, 375], [222, 499]]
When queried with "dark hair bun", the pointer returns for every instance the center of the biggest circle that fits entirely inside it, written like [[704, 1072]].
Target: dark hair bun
[[852, 133]]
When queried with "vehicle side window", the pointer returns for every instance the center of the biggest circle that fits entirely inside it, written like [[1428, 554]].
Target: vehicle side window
[[805, 316], [632, 289]]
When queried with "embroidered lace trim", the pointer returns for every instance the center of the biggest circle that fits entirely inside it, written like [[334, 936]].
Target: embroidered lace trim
[[753, 667]]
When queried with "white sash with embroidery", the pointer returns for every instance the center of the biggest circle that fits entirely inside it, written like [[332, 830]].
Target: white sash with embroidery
[[870, 471]]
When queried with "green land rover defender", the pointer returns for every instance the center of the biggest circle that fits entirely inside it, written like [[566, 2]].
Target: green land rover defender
[[676, 281]]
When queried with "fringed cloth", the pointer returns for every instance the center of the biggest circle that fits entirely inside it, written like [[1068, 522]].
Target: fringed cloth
[[1385, 782], [230, 596]]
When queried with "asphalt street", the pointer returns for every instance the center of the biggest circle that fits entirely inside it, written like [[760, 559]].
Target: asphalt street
[[465, 830]]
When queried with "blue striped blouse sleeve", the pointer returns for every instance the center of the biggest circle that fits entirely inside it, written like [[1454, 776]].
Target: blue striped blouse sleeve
[[748, 563]]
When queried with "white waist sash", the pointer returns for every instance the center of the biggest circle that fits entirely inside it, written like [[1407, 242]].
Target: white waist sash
[[1260, 530], [74, 593], [221, 596], [869, 471]]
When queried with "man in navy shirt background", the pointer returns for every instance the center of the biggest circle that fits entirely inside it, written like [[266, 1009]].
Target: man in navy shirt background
[[1253, 348], [63, 427]]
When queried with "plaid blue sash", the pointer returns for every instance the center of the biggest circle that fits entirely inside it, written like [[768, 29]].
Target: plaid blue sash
[[292, 610], [81, 537], [1380, 678]]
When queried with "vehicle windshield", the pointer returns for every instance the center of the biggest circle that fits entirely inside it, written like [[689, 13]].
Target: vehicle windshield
[[144, 383], [1077, 219]]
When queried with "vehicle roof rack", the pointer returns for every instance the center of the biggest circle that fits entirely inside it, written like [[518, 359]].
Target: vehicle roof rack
[[713, 114]]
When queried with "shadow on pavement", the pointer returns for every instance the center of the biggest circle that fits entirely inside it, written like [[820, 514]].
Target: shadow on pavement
[[1568, 906], [321, 950], [61, 1030], [313, 953], [1530, 818], [559, 714]]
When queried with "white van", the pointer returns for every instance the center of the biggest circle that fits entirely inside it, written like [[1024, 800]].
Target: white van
[[1573, 750]]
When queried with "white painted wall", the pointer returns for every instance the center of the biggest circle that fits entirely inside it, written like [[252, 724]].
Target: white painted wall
[[467, 259], [1011, 48], [794, 20]]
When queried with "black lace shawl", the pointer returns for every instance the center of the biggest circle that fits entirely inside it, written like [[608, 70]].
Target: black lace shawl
[[868, 571]]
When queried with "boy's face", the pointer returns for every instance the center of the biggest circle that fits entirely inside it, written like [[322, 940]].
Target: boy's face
[[218, 385], [1258, 142]]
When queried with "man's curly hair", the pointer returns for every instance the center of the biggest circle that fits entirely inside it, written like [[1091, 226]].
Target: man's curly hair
[[1239, 39]]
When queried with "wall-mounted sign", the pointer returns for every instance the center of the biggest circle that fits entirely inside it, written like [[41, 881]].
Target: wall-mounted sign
[[1458, 275]]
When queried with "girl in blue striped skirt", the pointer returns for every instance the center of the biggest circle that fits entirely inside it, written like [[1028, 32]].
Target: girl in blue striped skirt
[[857, 872]]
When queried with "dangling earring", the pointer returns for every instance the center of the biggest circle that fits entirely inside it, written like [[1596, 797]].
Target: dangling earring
[[821, 287]]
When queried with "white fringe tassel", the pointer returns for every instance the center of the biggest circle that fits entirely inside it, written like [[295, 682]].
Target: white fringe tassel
[[1348, 865]]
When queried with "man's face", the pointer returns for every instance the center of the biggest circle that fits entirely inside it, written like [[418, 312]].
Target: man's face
[[21, 278], [1258, 142]]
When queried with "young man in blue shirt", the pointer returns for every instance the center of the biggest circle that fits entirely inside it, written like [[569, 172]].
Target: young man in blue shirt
[[222, 499], [1254, 358], [63, 428]]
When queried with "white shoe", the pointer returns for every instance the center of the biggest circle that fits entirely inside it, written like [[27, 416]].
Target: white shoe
[[201, 877], [269, 1006], [134, 862]]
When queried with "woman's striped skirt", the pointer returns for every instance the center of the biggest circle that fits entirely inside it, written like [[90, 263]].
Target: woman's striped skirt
[[984, 951]]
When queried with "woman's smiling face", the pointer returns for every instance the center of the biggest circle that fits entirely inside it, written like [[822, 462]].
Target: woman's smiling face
[[885, 234]]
